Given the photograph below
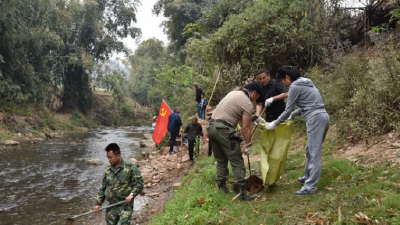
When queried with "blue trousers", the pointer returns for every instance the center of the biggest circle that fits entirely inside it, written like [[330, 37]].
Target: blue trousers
[[199, 110], [172, 141], [203, 113]]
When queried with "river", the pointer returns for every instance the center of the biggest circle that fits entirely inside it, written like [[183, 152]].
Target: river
[[47, 182]]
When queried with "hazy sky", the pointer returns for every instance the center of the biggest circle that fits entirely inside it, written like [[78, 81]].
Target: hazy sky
[[149, 23]]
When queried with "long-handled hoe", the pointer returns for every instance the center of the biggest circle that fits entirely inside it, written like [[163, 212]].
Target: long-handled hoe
[[254, 183], [70, 221]]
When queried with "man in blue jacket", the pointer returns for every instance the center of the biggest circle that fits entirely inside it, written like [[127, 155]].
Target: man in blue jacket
[[174, 124]]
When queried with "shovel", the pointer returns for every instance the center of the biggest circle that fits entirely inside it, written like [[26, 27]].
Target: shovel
[[254, 184], [70, 221]]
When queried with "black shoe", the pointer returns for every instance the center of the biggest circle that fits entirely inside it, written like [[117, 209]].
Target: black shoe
[[243, 196], [301, 180], [172, 153], [305, 192], [191, 162], [222, 186]]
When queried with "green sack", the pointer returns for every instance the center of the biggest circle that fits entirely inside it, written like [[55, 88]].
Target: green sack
[[275, 146]]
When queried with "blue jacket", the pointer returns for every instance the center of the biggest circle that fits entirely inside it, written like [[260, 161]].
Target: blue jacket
[[174, 123], [204, 103]]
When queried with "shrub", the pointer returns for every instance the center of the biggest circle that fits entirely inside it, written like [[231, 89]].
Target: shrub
[[362, 94]]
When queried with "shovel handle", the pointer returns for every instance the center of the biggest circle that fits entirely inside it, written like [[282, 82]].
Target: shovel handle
[[248, 162], [102, 208], [252, 132]]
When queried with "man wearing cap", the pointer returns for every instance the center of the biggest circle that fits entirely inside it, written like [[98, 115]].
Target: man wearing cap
[[272, 97], [235, 107]]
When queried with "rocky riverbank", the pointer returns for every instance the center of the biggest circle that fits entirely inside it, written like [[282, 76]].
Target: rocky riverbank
[[162, 173]]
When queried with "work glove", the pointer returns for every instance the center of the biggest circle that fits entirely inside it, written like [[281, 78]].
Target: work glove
[[182, 130], [258, 119], [272, 126], [247, 149], [269, 101]]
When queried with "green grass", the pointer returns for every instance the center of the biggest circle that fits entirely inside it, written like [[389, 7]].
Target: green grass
[[345, 188], [5, 136]]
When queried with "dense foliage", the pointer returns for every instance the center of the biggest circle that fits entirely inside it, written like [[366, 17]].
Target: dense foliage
[[63, 47], [232, 39], [53, 45]]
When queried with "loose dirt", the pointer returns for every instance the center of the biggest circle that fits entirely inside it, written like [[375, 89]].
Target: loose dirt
[[381, 149]]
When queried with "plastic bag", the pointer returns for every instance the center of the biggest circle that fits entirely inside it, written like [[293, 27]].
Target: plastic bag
[[275, 146]]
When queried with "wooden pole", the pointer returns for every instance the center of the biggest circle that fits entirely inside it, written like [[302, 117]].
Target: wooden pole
[[181, 146], [212, 93]]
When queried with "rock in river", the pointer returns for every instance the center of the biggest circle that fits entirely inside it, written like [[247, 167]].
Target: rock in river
[[10, 142], [146, 143], [96, 162]]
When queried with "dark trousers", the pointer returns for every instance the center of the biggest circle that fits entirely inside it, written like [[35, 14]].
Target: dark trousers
[[269, 117], [191, 148], [172, 141], [209, 148]]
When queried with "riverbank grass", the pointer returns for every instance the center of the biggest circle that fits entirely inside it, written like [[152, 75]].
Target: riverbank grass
[[345, 190]]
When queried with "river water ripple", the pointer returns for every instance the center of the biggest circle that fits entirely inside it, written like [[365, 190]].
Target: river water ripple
[[47, 182]]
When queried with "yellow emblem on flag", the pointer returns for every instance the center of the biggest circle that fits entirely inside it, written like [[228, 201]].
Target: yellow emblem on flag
[[163, 112]]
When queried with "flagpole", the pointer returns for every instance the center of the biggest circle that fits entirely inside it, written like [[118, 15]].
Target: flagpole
[[167, 105], [181, 146]]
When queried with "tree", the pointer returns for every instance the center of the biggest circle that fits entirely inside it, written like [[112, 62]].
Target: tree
[[57, 43], [215, 16], [266, 34], [26, 44], [97, 27], [149, 55], [112, 75], [179, 14]]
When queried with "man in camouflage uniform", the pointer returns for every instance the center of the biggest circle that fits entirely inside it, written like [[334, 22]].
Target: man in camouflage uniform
[[121, 181]]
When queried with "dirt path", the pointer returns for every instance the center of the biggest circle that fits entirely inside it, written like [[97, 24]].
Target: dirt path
[[163, 172], [382, 149]]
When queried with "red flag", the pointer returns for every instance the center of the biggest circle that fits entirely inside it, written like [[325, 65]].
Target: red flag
[[162, 123]]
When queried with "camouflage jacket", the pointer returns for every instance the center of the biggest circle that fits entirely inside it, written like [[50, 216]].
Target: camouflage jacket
[[119, 182]]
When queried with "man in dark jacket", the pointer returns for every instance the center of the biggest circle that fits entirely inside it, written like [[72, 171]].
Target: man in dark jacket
[[272, 97], [193, 130], [174, 123], [198, 98]]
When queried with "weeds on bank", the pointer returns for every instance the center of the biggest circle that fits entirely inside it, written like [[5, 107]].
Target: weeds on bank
[[345, 190], [362, 93]]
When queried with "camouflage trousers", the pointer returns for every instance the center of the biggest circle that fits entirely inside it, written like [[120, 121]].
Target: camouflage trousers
[[119, 215]]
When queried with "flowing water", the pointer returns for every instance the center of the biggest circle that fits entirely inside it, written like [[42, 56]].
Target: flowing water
[[47, 182]]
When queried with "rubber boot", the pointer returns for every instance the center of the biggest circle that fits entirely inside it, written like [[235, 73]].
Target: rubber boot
[[222, 186], [243, 196]]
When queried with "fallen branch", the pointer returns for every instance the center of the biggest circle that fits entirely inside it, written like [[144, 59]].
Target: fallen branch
[[230, 217], [234, 198]]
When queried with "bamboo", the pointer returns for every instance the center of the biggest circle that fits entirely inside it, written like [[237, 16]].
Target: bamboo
[[181, 146], [212, 93]]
